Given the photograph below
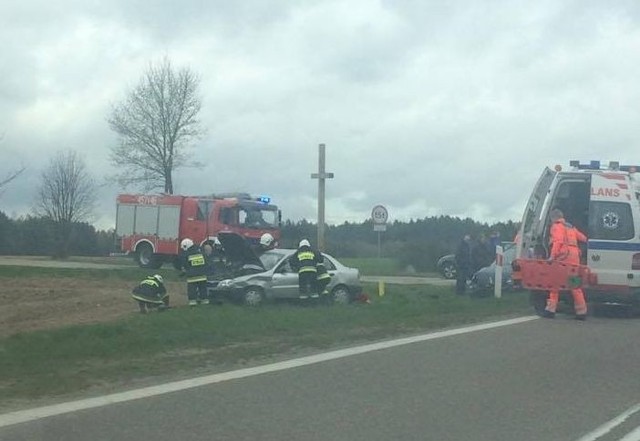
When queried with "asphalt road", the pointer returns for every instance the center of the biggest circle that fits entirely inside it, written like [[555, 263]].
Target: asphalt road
[[539, 380]]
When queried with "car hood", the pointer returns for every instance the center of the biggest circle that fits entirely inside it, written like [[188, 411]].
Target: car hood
[[238, 251]]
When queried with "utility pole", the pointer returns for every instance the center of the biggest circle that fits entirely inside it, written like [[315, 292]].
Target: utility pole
[[321, 176]]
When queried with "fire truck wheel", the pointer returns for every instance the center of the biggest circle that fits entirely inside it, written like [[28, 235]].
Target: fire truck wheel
[[253, 296], [538, 300], [146, 258]]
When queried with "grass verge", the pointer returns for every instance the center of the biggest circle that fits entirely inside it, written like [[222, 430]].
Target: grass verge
[[72, 359]]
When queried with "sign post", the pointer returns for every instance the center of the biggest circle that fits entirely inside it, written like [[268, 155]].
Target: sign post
[[379, 217], [321, 176]]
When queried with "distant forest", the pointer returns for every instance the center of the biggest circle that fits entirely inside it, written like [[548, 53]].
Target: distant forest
[[418, 242]]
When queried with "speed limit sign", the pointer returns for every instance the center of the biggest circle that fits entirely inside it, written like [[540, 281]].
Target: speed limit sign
[[379, 215]]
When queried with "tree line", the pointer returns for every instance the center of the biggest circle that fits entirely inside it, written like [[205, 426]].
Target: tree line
[[418, 243]]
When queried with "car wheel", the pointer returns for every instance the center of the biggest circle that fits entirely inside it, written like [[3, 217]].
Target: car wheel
[[253, 296], [449, 271], [539, 301], [341, 295]]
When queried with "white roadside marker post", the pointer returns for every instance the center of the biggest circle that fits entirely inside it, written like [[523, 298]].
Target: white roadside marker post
[[497, 291]]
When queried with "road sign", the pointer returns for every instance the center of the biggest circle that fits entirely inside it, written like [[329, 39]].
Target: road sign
[[379, 215], [379, 227]]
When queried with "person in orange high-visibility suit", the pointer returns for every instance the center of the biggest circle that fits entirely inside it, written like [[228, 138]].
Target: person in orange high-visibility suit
[[564, 248]]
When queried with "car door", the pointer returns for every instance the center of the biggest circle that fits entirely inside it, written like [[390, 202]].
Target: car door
[[332, 270], [284, 283]]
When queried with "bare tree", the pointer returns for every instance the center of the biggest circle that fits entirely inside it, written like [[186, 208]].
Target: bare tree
[[156, 123], [66, 195]]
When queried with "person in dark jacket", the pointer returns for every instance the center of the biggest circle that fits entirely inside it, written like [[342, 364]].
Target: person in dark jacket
[[463, 264], [304, 261], [151, 293], [481, 254], [194, 266]]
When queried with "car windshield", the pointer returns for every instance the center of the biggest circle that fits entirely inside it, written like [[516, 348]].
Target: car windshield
[[271, 258]]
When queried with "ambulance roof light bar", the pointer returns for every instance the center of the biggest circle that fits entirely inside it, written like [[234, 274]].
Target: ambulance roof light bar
[[595, 165]]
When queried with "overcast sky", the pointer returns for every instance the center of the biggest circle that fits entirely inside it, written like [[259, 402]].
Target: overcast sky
[[426, 107]]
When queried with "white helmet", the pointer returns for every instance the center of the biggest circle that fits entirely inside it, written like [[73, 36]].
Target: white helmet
[[158, 277], [186, 244], [266, 240], [304, 243], [216, 242]]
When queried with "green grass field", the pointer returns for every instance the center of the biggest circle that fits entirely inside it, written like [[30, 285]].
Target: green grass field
[[179, 341]]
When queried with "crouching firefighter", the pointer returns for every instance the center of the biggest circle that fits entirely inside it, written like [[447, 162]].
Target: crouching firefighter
[[564, 248], [151, 293], [194, 266]]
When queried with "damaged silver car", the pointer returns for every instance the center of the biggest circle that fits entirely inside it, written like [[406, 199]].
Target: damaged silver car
[[252, 279]]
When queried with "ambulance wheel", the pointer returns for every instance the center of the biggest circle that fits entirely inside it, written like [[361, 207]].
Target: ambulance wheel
[[253, 296], [539, 301]]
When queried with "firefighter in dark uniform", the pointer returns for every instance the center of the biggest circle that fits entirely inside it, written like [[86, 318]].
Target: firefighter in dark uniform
[[322, 278], [304, 261], [194, 266], [151, 293]]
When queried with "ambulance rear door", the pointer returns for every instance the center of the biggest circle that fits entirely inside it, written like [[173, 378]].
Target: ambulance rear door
[[530, 227], [613, 230]]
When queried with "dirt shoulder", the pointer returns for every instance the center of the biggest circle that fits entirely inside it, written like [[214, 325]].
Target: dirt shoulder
[[34, 303], [46, 262]]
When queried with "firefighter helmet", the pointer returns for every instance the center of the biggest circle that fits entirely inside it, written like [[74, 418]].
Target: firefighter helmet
[[266, 240], [158, 278], [186, 244], [304, 243]]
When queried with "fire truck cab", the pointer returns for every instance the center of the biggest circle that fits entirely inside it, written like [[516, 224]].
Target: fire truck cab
[[151, 226], [602, 202]]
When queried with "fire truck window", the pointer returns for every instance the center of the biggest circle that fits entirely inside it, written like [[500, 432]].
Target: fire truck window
[[252, 218], [203, 211], [610, 221], [226, 216]]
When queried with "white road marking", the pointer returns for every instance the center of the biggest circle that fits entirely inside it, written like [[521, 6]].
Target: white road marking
[[612, 424], [73, 406], [632, 436]]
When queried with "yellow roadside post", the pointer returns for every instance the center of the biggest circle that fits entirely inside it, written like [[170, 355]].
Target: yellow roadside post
[[380, 288]]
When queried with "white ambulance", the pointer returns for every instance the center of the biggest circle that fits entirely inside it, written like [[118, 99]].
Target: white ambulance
[[602, 202]]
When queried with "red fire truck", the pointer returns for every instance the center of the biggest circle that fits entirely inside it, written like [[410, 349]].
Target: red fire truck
[[152, 226]]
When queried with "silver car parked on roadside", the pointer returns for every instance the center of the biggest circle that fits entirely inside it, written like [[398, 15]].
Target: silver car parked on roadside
[[270, 276]]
